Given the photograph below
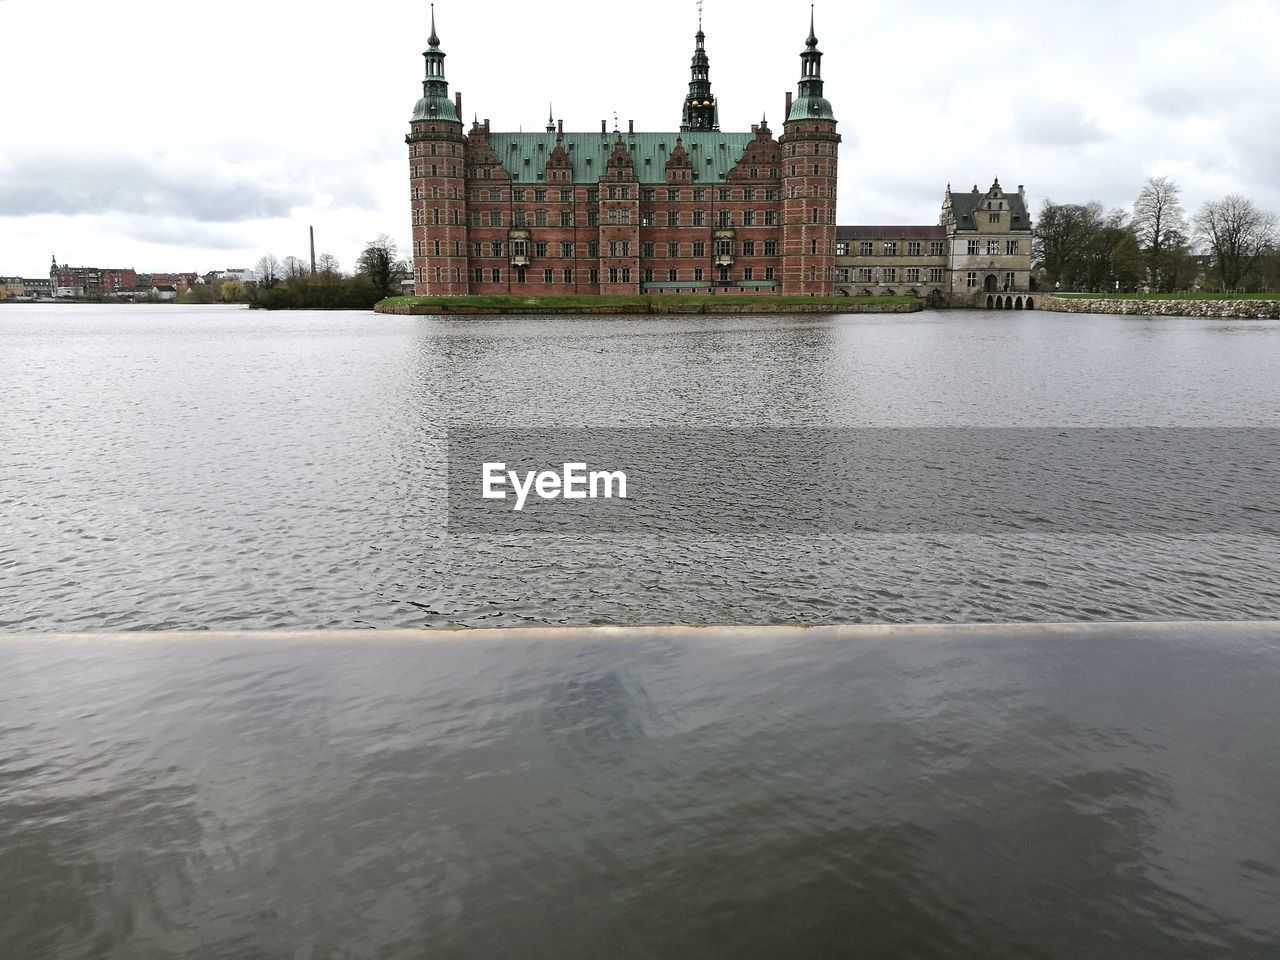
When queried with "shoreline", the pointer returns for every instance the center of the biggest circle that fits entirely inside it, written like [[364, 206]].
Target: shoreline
[[1204, 309], [607, 306]]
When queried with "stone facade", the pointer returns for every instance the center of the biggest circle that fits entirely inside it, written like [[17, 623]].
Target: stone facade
[[978, 254], [555, 212]]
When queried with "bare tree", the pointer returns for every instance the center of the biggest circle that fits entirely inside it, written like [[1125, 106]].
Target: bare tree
[[327, 264], [1158, 220], [380, 264], [1236, 235], [295, 268], [268, 270]]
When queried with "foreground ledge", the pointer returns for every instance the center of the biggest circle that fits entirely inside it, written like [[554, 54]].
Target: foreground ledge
[[1177, 629]]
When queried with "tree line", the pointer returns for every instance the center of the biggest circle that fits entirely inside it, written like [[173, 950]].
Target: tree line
[[291, 284], [1229, 245]]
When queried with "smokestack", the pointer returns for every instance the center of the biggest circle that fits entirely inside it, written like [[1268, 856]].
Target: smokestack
[[787, 114], [560, 127], [313, 251], [631, 126], [604, 126], [457, 102]]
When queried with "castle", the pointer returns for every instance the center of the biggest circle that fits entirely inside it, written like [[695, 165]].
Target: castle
[[698, 210]]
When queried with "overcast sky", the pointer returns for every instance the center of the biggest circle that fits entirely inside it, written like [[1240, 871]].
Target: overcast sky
[[183, 136]]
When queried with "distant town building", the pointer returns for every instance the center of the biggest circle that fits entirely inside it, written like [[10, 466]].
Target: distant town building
[[978, 254], [12, 288], [164, 291], [91, 281]]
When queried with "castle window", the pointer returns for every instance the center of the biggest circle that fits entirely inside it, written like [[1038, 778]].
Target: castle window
[[548, 275], [975, 247], [567, 274], [770, 217], [594, 275], [646, 249], [626, 274], [749, 193], [864, 274], [477, 249], [970, 279], [566, 218], [517, 195], [478, 274], [748, 248], [771, 248], [994, 218], [748, 273], [699, 218], [540, 218], [724, 195], [673, 250], [724, 218], [495, 195], [1009, 281], [935, 248], [842, 248], [748, 218], [1011, 248], [813, 247], [648, 275], [517, 218], [697, 274], [842, 274], [698, 195], [993, 248], [540, 196], [913, 274], [648, 195], [593, 218], [496, 274], [437, 248], [935, 274], [613, 274], [566, 250], [699, 248], [672, 275], [815, 214], [496, 248], [768, 273], [540, 249], [673, 218], [913, 250], [889, 275], [891, 248]]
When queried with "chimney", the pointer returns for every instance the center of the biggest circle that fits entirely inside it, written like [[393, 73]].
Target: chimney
[[560, 127], [457, 102], [787, 113], [631, 126], [604, 126]]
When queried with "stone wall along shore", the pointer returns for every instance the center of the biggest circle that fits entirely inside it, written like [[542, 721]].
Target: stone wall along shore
[[1215, 309]]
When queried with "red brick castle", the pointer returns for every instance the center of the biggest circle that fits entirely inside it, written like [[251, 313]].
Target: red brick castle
[[696, 210]]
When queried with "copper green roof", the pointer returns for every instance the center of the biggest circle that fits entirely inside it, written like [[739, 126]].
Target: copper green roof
[[713, 154], [434, 108], [811, 108]]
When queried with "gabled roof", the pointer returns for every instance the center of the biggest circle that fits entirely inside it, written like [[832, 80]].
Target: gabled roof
[[891, 233], [965, 205], [524, 155]]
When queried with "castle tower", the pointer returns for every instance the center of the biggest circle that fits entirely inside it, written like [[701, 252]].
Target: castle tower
[[810, 151], [701, 112], [438, 182]]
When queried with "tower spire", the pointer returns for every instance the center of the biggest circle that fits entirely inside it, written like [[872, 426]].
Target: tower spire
[[435, 103], [813, 39], [701, 111]]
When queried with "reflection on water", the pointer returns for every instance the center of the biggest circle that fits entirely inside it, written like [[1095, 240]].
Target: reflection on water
[[1076, 795], [169, 467]]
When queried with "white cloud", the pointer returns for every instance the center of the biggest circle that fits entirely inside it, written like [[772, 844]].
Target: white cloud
[[163, 134]]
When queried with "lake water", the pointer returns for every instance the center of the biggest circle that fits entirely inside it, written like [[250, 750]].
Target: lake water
[[190, 468], [1064, 792]]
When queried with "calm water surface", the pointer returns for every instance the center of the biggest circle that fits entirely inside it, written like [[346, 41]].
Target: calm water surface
[[188, 468]]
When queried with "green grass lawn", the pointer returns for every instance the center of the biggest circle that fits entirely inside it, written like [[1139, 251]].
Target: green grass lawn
[[1168, 296], [586, 302]]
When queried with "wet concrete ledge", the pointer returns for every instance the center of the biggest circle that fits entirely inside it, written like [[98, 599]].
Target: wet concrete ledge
[[1021, 632]]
